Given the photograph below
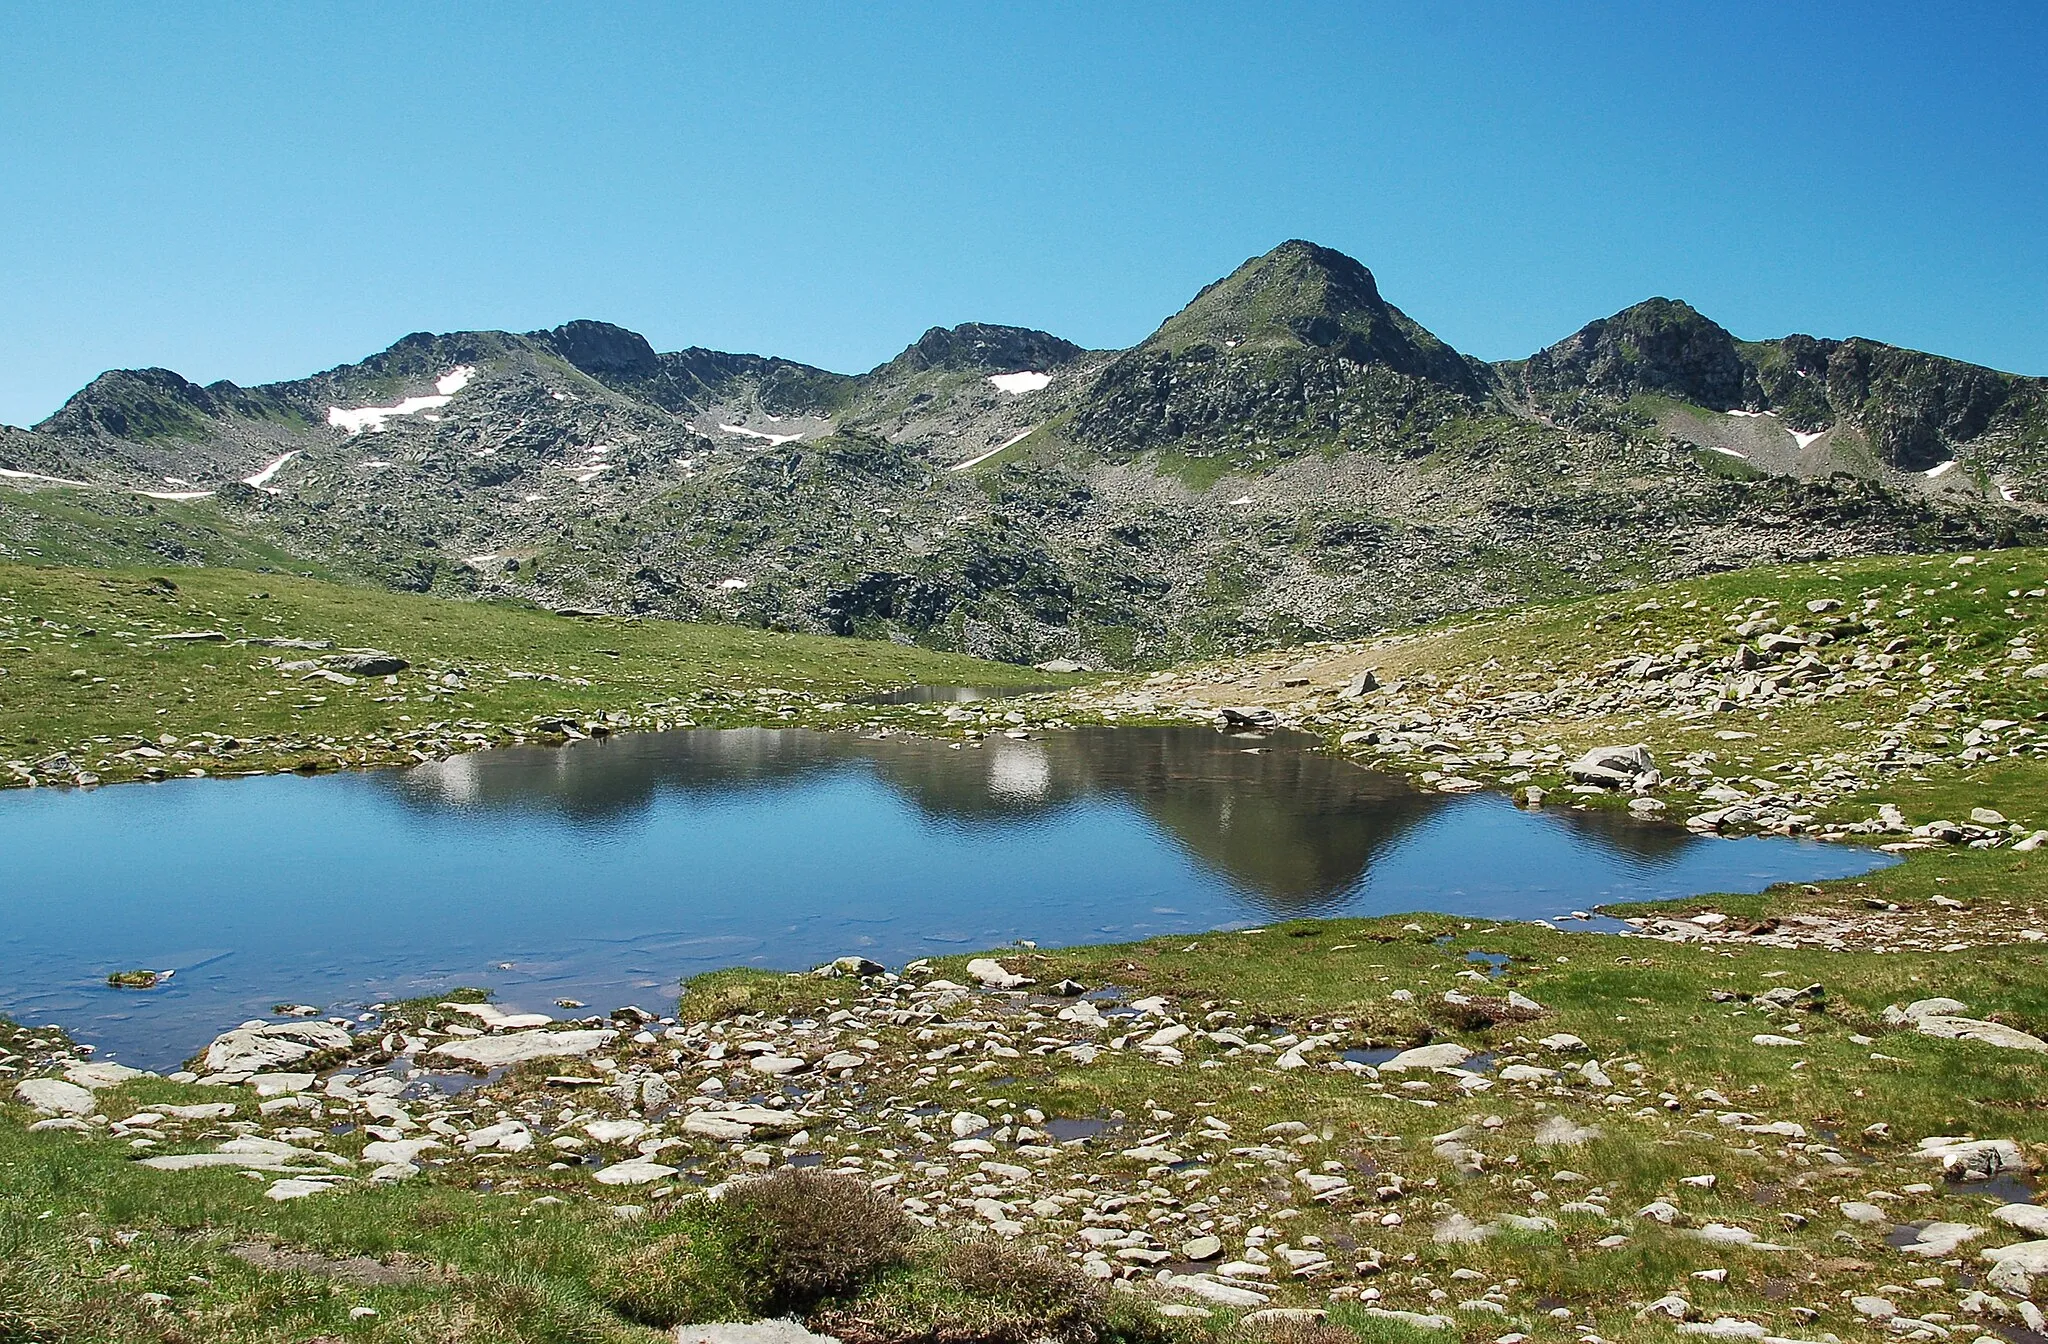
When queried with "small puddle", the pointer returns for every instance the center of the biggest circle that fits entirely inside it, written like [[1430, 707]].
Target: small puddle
[[1495, 962], [2006, 1188], [1066, 1129]]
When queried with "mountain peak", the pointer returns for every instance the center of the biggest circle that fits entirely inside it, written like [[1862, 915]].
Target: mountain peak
[[1303, 296], [974, 347], [1660, 345], [601, 349]]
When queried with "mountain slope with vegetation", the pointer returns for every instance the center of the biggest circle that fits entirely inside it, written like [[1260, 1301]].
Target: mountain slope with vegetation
[[1290, 457]]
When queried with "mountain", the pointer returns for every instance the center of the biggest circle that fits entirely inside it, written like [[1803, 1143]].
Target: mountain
[[1297, 342], [1289, 456]]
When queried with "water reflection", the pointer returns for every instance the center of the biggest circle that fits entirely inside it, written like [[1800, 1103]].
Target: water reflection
[[1295, 827]]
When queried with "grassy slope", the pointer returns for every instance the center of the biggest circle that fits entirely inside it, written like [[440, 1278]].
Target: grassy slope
[[111, 527], [81, 664]]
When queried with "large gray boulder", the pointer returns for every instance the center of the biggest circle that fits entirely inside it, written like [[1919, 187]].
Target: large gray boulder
[[1616, 768], [750, 1332], [54, 1096], [496, 1052], [260, 1047]]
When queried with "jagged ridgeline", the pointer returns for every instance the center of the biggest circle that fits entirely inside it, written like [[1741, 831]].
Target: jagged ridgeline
[[1288, 457]]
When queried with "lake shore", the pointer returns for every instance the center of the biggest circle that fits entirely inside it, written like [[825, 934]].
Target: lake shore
[[1807, 1114]]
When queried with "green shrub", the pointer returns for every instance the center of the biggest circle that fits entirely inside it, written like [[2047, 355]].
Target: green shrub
[[780, 1244], [984, 1291]]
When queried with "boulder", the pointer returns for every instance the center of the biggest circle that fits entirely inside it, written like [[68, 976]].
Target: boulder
[[54, 1096], [636, 1172], [365, 663], [494, 1052], [93, 1077], [1615, 767], [851, 966], [259, 1047], [1359, 686], [2029, 1257], [1255, 717], [993, 975], [1971, 1029], [1896, 1016], [750, 1332], [1447, 1055], [1972, 1159]]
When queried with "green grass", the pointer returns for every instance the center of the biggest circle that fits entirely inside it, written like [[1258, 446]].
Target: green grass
[[107, 527], [84, 674], [1197, 472]]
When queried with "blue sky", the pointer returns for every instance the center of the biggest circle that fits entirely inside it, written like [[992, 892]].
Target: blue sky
[[256, 192]]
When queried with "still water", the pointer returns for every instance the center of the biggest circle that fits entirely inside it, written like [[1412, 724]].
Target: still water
[[607, 870]]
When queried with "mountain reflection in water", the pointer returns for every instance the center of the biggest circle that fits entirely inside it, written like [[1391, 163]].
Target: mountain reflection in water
[[1289, 826], [607, 870]]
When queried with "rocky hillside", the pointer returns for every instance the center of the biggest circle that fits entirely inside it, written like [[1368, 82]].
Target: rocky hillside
[[1288, 457]]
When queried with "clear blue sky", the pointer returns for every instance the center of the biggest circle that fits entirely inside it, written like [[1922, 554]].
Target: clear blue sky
[[256, 192]]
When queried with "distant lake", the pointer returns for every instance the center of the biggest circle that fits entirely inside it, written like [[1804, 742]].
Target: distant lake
[[605, 871]]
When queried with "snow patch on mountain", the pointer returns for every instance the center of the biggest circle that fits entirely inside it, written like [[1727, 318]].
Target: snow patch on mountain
[[374, 418], [1017, 384]]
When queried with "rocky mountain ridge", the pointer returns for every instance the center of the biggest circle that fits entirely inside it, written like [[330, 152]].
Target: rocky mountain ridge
[[1290, 456]]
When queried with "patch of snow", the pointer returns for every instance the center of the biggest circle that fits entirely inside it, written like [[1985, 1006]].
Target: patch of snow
[[774, 440], [373, 466], [261, 480], [1727, 452], [38, 476], [1017, 384], [373, 418], [1753, 415], [2009, 494], [6, 474], [1935, 473], [1802, 439], [1010, 442], [1241, 499], [733, 584], [535, 499]]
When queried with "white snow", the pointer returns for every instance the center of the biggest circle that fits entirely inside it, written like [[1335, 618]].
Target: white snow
[[1241, 499], [1802, 439], [1728, 452], [774, 440], [6, 474], [734, 584], [38, 476], [1753, 415], [261, 479], [1010, 442], [1935, 473], [2008, 494], [1017, 384], [372, 418]]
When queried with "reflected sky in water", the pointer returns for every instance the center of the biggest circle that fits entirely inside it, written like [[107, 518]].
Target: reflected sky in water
[[605, 871]]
